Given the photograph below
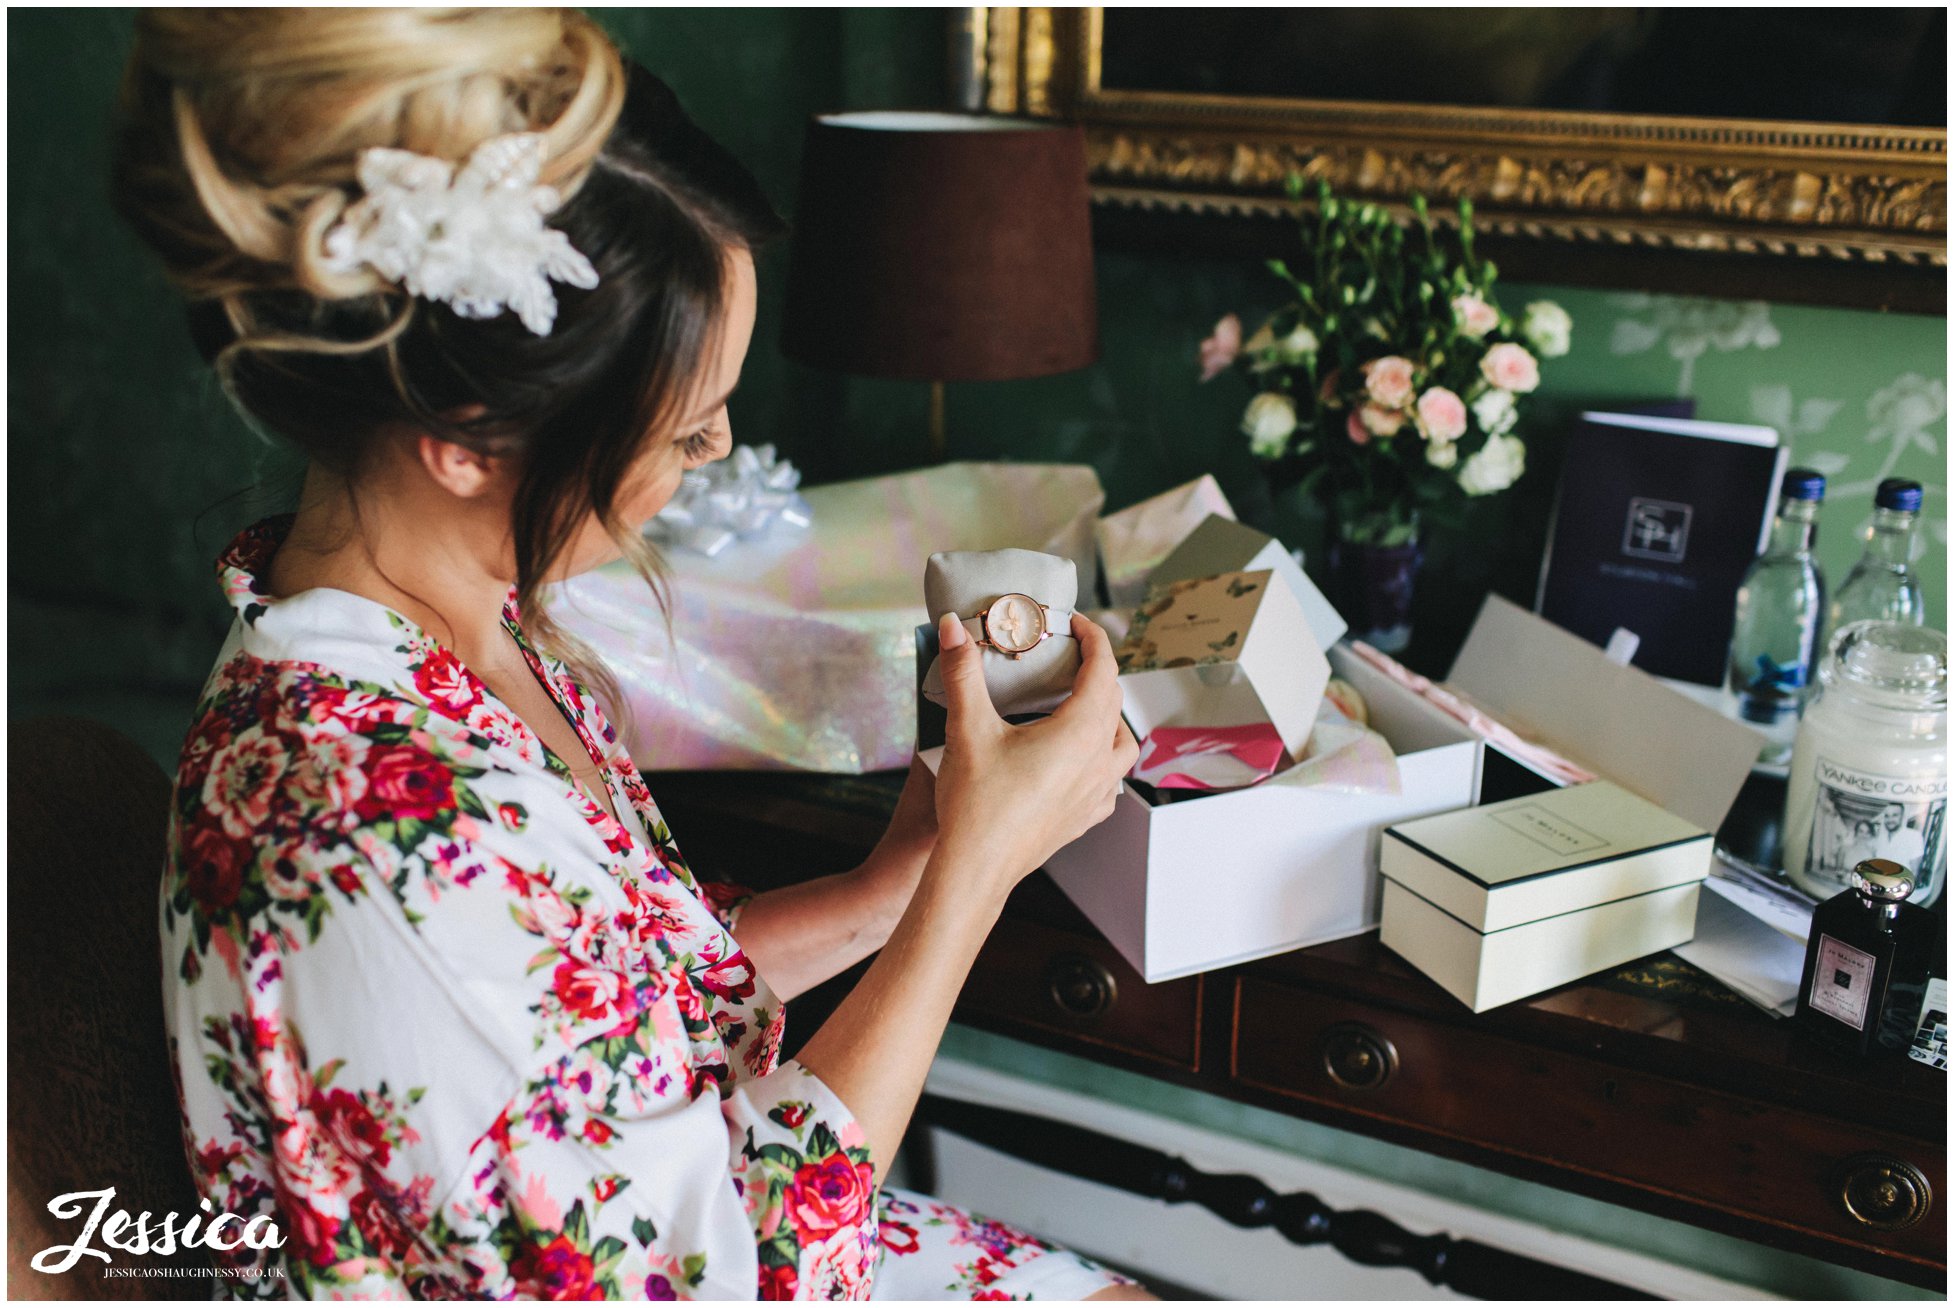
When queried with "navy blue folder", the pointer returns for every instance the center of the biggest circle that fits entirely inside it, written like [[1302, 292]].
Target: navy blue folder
[[1656, 520]]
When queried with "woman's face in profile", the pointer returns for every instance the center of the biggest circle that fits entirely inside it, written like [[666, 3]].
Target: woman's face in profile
[[704, 434]]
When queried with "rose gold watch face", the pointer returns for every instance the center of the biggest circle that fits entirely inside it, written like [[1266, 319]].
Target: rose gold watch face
[[1014, 623]]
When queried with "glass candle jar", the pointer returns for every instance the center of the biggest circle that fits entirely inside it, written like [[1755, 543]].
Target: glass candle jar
[[1868, 774]]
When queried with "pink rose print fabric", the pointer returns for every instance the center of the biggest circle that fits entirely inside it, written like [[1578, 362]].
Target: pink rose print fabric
[[465, 1035]]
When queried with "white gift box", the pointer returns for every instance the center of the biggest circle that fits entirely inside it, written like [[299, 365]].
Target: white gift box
[[1199, 883], [1505, 900]]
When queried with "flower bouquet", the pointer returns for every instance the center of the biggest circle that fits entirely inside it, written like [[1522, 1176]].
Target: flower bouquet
[[1390, 387]]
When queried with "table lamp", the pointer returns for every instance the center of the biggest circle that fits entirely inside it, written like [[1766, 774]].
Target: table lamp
[[942, 247]]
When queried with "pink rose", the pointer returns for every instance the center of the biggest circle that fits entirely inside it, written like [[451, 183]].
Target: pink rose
[[1475, 316], [557, 1270], [1220, 349], [1380, 421], [834, 1194], [1354, 428], [1389, 381], [405, 782], [1511, 368], [595, 994], [447, 684], [1441, 414]]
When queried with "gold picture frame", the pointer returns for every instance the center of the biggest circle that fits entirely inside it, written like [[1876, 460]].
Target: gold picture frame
[[1842, 194]]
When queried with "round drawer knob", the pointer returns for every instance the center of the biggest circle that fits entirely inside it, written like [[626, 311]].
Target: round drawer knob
[[1358, 1058], [1080, 987], [1884, 1192]]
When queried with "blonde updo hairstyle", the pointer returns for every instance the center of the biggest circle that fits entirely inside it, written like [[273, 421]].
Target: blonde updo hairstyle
[[239, 136]]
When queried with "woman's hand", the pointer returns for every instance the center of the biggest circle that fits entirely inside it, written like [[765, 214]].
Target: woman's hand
[[1006, 797], [1009, 796]]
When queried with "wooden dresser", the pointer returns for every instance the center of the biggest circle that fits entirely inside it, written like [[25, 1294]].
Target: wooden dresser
[[1653, 1087]]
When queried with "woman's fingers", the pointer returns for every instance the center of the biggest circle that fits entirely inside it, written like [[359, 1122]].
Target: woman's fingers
[[1095, 689], [962, 664]]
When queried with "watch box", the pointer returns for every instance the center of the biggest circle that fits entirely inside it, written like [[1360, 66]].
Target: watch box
[[1220, 544], [1505, 900], [1223, 651]]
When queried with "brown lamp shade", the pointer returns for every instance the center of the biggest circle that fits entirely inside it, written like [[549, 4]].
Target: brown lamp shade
[[942, 247]]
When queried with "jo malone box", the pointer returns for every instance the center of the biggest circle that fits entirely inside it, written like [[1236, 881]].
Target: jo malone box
[[1505, 900]]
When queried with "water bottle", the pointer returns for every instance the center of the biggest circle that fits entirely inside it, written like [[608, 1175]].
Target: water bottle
[[1780, 610], [1883, 585]]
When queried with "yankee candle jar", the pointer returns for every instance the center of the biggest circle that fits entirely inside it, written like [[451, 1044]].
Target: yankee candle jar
[[1868, 775]]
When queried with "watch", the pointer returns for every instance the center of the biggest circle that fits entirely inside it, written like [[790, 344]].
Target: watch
[[1014, 624]]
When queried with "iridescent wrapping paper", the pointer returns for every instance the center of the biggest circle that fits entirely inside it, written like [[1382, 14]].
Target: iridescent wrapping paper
[[797, 650]]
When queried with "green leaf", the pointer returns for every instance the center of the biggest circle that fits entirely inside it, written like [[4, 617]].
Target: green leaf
[[694, 1268], [781, 1155], [643, 1231]]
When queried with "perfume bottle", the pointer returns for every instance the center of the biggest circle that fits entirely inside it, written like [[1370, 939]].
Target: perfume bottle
[[1867, 965]]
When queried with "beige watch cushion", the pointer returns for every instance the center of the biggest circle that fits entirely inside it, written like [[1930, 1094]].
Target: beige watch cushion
[[964, 582]]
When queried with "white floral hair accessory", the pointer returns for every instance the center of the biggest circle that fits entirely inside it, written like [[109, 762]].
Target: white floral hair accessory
[[475, 240]]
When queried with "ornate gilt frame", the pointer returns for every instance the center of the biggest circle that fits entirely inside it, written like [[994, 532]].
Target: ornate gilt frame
[[1727, 186]]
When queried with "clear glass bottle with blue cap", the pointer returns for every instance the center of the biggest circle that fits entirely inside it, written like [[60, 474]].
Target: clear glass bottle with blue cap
[[1780, 613], [1883, 584]]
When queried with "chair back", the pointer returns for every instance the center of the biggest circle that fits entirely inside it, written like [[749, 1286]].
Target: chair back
[[92, 1102]]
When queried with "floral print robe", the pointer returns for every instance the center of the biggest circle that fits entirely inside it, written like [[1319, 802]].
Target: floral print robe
[[466, 1035]]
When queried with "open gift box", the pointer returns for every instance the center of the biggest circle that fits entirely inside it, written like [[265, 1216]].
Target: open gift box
[[1203, 881]]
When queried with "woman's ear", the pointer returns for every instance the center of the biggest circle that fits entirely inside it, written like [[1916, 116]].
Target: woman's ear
[[461, 471]]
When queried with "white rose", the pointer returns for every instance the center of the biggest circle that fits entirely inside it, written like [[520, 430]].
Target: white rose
[[1297, 345], [1494, 467], [1268, 422], [1549, 328], [1496, 412], [1441, 454]]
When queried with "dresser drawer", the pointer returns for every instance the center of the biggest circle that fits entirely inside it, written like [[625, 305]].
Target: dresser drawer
[[1806, 1174], [1076, 985]]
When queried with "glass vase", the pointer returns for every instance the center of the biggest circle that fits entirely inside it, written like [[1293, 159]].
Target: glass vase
[[1374, 581]]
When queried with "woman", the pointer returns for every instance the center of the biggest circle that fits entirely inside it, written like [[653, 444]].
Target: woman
[[445, 1001]]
